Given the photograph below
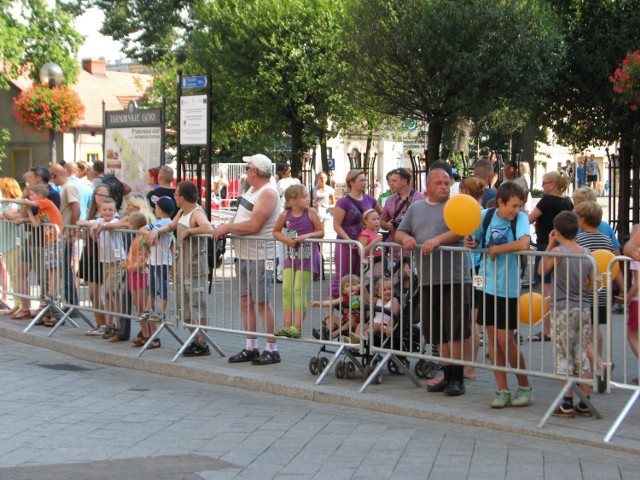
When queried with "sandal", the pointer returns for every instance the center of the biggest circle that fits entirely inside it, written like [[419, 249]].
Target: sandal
[[139, 342], [155, 344], [540, 337], [21, 314]]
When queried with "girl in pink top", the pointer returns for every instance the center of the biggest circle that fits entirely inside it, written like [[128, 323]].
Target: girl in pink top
[[369, 237]]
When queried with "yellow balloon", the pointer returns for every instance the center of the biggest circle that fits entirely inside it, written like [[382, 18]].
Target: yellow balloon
[[602, 258], [462, 214], [531, 308]]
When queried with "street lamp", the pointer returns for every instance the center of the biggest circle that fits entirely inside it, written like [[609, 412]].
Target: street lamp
[[51, 74]]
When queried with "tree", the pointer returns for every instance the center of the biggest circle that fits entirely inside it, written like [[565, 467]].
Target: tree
[[438, 59], [149, 29], [598, 35], [32, 34], [279, 62]]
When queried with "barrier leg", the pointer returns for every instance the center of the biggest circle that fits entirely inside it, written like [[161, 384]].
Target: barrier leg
[[587, 402], [556, 402], [620, 418], [332, 361]]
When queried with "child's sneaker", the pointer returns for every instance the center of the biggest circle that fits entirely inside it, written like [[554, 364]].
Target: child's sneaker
[[503, 399], [97, 332], [293, 332], [523, 398], [565, 410], [582, 409], [283, 332]]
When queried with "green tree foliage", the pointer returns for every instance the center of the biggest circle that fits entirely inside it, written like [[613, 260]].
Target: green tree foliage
[[598, 35], [33, 33], [148, 29], [437, 59], [279, 63]]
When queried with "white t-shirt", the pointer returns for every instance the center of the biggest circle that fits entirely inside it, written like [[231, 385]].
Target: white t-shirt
[[160, 253], [110, 243]]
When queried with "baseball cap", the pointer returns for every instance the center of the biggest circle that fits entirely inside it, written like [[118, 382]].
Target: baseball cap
[[260, 161], [166, 204]]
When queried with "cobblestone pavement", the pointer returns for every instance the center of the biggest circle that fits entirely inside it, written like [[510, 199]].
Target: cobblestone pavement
[[66, 418]]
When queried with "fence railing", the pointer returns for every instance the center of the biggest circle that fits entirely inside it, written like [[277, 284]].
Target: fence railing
[[399, 311]]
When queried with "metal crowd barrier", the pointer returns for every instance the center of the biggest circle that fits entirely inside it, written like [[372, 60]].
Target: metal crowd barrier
[[406, 338], [33, 259], [113, 291], [624, 339], [209, 301], [257, 314]]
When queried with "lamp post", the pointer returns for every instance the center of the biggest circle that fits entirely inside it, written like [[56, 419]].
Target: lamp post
[[51, 74]]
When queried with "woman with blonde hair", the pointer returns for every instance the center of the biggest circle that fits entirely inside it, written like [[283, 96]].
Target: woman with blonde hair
[[554, 185], [9, 248]]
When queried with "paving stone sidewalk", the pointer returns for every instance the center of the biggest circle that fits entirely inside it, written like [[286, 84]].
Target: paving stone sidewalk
[[66, 418]]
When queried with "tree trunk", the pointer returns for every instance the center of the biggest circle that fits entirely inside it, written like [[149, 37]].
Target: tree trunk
[[296, 148], [434, 138], [323, 151]]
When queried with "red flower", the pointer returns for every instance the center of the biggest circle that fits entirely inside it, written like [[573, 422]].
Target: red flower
[[625, 78], [43, 108]]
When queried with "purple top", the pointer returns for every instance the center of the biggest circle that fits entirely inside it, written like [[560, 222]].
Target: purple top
[[352, 222], [310, 251]]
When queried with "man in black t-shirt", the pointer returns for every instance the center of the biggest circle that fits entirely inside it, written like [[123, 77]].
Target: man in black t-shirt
[[165, 188]]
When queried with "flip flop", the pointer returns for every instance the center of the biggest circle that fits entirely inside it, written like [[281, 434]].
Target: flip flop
[[540, 337], [155, 344], [21, 315]]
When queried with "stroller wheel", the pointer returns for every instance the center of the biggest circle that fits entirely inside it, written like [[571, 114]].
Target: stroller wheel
[[322, 364], [351, 370], [430, 369], [419, 368], [340, 369], [313, 365], [391, 366]]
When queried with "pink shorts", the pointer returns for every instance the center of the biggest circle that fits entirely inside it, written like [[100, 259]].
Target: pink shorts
[[632, 321], [137, 280]]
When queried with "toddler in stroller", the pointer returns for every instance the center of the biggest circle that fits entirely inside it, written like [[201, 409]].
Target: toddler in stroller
[[353, 294]]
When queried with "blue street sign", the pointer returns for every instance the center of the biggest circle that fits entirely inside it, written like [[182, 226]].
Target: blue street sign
[[193, 82], [331, 163]]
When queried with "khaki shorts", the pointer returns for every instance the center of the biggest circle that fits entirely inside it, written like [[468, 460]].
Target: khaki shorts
[[113, 277]]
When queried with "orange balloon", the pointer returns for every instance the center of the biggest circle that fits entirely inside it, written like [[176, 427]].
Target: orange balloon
[[462, 214], [602, 258], [532, 308]]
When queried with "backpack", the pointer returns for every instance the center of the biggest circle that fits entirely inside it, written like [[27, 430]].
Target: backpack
[[487, 221]]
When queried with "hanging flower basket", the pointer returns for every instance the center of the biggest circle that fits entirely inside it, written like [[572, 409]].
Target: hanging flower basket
[[626, 81], [44, 108]]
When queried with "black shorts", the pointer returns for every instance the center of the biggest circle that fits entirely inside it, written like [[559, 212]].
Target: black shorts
[[446, 312], [499, 312], [592, 178]]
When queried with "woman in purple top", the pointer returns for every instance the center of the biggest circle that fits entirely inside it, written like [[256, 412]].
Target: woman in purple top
[[347, 222]]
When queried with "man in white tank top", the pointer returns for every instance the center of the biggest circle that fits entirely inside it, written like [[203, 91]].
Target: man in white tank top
[[257, 213]]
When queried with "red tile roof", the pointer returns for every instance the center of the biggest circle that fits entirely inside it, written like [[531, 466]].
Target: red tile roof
[[115, 88]]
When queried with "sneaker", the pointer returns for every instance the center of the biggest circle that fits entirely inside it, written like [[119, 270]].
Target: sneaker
[[196, 350], [108, 333], [97, 332], [294, 332], [582, 409], [315, 333], [245, 356], [565, 411], [145, 315], [267, 358], [283, 332], [523, 398], [503, 399]]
